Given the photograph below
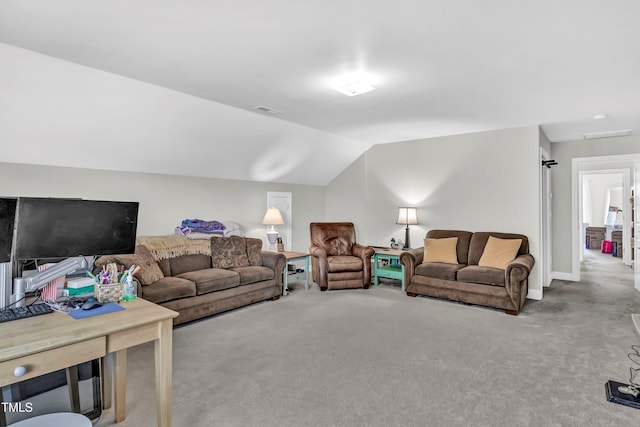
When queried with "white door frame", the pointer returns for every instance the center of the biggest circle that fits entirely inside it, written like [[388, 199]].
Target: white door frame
[[545, 220], [636, 221], [626, 208], [282, 201], [576, 203]]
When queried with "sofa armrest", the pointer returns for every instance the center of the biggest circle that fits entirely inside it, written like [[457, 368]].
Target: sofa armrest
[[410, 259], [275, 261]]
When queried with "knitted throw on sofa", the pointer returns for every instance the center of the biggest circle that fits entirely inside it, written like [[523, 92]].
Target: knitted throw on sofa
[[173, 245]]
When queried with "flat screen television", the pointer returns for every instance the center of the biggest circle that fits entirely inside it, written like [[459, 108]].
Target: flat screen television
[[7, 219], [49, 228]]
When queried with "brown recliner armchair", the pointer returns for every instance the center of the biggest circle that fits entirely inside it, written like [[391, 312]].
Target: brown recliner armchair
[[337, 261]]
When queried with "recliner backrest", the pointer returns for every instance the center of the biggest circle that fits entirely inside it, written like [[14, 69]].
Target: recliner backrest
[[337, 238]]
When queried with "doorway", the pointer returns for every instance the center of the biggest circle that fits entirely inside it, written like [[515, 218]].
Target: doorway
[[622, 164], [282, 201]]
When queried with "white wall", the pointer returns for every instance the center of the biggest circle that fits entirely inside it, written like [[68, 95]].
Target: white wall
[[561, 182], [478, 182], [165, 200], [346, 197]]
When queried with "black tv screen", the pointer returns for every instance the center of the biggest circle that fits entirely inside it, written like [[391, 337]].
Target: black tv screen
[[7, 217], [62, 228]]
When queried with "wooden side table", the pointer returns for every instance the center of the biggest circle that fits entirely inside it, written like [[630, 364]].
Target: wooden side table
[[386, 263], [292, 276]]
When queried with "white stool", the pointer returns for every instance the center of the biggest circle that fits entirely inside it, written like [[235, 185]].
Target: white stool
[[59, 419]]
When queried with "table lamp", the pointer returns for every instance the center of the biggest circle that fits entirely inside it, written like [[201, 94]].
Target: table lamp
[[407, 216], [272, 217]]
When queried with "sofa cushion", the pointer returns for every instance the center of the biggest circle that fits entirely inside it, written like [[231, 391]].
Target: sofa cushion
[[254, 250], [498, 253], [228, 252], [169, 288], [253, 274], [186, 263], [165, 266], [482, 275], [441, 250], [438, 270], [344, 263], [212, 279]]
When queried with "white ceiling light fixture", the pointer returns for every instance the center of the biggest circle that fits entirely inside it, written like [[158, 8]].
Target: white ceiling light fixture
[[600, 116], [357, 87], [353, 84], [608, 134]]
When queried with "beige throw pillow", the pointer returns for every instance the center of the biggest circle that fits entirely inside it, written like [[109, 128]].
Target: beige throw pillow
[[499, 252], [441, 250]]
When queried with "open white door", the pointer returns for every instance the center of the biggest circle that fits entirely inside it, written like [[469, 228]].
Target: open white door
[[635, 232], [282, 201]]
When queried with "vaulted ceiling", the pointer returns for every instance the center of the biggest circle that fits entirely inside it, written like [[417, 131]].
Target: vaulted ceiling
[[172, 86]]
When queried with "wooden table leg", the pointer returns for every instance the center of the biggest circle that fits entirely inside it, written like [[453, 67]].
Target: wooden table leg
[[120, 375], [106, 377], [163, 362], [72, 386]]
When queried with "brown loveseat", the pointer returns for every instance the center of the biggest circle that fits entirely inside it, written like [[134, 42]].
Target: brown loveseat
[[202, 277], [467, 277], [337, 261]]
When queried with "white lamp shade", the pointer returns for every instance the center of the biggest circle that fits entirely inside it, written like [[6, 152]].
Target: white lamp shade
[[407, 216], [273, 217]]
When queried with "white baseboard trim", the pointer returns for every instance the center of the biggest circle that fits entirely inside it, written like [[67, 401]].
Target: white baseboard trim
[[534, 294], [565, 276]]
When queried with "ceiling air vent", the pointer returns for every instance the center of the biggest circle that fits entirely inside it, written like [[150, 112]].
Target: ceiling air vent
[[268, 110], [608, 134]]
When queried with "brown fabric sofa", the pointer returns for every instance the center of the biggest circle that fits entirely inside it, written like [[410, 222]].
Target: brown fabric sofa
[[337, 261], [202, 277], [466, 281]]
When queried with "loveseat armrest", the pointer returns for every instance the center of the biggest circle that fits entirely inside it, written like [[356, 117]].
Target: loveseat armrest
[[275, 261], [410, 259], [519, 268], [516, 279], [362, 251]]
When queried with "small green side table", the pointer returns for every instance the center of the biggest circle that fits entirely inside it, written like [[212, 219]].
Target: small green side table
[[386, 263]]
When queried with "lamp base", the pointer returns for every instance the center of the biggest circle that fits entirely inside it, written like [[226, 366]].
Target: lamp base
[[272, 238], [407, 244]]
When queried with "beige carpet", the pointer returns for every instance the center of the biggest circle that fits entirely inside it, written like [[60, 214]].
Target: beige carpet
[[379, 358]]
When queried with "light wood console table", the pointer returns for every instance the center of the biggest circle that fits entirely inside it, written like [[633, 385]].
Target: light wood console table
[[51, 342]]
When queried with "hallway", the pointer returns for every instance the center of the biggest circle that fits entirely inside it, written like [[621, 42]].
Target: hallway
[[605, 269]]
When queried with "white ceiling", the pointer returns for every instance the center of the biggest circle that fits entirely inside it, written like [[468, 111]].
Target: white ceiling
[[440, 68]]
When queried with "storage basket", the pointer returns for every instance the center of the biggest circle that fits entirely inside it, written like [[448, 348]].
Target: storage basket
[[109, 293]]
